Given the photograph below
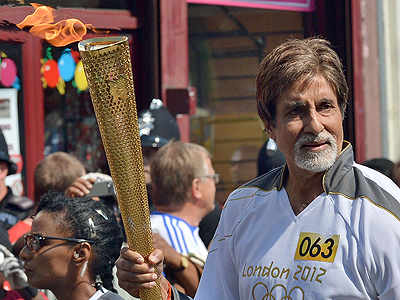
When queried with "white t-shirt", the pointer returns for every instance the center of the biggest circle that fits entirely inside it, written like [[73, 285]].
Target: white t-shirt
[[106, 294], [344, 245], [182, 236], [96, 295]]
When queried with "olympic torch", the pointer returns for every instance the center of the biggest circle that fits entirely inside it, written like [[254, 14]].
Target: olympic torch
[[108, 70]]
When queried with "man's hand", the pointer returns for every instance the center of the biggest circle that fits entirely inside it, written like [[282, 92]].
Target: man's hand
[[135, 273], [171, 257], [186, 279], [80, 187]]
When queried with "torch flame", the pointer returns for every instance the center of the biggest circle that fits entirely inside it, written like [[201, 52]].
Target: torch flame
[[59, 34], [62, 33], [42, 14]]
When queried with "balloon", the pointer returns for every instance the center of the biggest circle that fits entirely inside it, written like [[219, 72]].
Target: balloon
[[66, 66], [80, 77], [17, 83], [61, 86], [8, 72], [51, 73], [75, 55]]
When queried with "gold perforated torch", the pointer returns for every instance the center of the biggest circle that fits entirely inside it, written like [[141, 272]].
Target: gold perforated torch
[[108, 70]]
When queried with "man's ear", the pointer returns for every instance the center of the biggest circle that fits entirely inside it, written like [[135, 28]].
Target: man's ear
[[81, 253], [196, 190], [269, 129], [272, 134]]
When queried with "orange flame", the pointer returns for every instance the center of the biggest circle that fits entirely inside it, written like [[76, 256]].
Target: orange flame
[[59, 34]]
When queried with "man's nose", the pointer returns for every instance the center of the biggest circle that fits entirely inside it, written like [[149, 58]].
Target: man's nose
[[313, 123]]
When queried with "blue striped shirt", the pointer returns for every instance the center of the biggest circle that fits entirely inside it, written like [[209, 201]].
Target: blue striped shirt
[[182, 236]]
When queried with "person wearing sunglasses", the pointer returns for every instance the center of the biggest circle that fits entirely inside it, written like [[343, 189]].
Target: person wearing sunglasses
[[72, 248]]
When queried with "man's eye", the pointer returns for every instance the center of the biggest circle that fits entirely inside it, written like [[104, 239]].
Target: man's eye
[[325, 108], [294, 112]]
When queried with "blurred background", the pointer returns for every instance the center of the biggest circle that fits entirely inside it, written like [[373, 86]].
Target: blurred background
[[200, 57]]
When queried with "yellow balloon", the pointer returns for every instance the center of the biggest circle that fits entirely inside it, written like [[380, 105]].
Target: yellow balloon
[[80, 77], [61, 86]]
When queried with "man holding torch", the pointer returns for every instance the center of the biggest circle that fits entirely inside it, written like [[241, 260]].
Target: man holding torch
[[320, 227]]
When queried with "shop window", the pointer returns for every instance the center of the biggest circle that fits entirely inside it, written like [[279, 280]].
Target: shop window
[[225, 46], [70, 123]]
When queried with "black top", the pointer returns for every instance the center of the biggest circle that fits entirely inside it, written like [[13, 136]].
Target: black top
[[14, 208]]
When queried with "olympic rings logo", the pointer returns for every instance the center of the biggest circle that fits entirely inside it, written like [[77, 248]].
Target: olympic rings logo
[[269, 294]]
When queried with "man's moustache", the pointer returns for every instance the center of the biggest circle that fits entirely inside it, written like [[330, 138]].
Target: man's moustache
[[308, 138]]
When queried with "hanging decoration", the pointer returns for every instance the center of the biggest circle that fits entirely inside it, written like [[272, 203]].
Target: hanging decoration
[[17, 84], [61, 86], [80, 77], [66, 65], [55, 73], [76, 56], [8, 72], [50, 71], [68, 68]]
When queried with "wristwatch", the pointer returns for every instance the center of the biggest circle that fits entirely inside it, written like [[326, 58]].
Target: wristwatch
[[184, 264]]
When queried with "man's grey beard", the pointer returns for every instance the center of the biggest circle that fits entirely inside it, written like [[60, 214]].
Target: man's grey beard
[[316, 161]]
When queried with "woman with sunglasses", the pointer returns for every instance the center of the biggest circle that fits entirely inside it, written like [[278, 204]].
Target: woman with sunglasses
[[72, 248]]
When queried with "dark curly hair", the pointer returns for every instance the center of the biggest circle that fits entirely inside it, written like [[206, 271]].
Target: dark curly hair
[[90, 220]]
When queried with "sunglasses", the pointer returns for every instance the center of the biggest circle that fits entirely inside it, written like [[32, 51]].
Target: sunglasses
[[35, 241]]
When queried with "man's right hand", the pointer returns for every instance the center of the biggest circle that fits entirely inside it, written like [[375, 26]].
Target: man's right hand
[[135, 273], [80, 187]]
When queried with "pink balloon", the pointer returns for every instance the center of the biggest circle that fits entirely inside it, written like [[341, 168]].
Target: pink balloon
[[8, 72]]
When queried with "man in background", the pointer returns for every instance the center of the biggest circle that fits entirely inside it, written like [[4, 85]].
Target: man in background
[[56, 172], [183, 193], [382, 165], [269, 157]]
